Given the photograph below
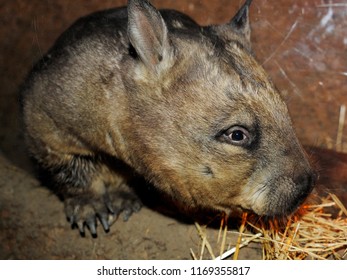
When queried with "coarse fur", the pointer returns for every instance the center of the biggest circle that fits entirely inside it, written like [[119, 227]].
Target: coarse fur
[[186, 107]]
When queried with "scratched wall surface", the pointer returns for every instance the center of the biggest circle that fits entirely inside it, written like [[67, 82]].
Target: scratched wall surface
[[302, 44]]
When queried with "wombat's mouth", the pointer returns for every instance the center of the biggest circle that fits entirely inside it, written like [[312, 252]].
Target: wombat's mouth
[[272, 214], [286, 205], [281, 196]]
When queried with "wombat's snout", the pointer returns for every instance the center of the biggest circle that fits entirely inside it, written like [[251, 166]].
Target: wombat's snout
[[286, 194]]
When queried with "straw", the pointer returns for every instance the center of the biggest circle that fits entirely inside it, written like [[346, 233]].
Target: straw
[[311, 233]]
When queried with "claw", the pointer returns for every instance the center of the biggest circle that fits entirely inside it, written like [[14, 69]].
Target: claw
[[92, 226], [71, 220], [109, 204], [126, 214], [137, 207], [80, 226], [104, 221]]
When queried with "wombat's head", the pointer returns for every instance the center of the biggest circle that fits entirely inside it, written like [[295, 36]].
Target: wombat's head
[[208, 126]]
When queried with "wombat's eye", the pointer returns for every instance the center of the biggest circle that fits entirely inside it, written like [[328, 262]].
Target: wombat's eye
[[236, 135]]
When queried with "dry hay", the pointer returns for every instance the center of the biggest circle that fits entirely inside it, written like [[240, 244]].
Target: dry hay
[[339, 144], [316, 231]]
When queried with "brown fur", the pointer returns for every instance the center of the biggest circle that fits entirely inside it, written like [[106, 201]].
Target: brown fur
[[160, 93]]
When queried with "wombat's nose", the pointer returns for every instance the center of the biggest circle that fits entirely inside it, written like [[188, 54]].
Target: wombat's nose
[[307, 181]]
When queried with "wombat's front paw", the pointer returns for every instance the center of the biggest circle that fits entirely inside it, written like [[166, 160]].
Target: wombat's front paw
[[86, 209], [125, 202]]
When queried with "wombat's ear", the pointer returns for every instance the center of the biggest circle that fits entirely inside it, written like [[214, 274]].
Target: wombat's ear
[[148, 34], [238, 28], [240, 22]]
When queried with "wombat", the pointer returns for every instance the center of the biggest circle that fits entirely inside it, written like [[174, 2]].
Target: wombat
[[185, 106]]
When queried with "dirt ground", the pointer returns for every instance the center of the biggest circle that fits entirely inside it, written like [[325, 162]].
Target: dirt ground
[[303, 46]]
